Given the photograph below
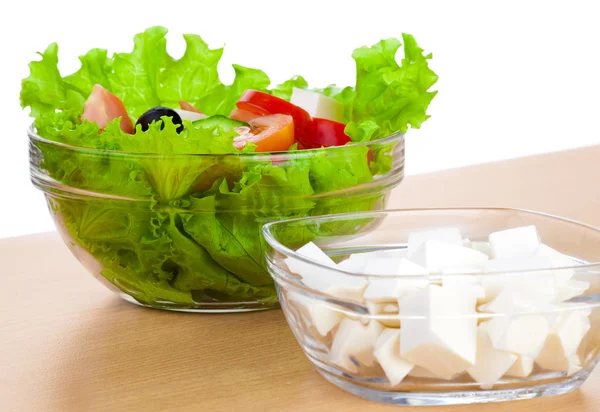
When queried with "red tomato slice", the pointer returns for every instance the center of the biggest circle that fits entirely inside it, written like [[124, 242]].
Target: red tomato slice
[[324, 133], [242, 115], [188, 106], [264, 104], [273, 133], [102, 107]]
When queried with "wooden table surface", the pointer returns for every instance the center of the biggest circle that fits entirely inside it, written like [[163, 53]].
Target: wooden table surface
[[68, 344]]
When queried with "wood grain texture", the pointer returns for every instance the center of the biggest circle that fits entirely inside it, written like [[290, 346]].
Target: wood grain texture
[[68, 344]]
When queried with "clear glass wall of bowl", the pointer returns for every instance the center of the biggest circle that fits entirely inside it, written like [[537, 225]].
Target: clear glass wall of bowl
[[183, 232], [566, 347]]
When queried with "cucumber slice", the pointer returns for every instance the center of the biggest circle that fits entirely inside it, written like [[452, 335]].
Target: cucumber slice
[[224, 122]]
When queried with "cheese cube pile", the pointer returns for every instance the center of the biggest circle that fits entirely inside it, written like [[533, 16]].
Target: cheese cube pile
[[445, 306]]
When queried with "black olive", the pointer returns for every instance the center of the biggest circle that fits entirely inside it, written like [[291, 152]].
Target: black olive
[[155, 114]]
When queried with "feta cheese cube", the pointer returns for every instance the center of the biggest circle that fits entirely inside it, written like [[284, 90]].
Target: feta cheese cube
[[542, 282], [558, 261], [385, 289], [316, 313], [436, 256], [560, 349], [572, 289], [439, 330], [491, 363], [393, 267], [465, 284], [514, 243], [522, 368], [393, 253], [387, 353], [461, 270], [314, 252], [446, 235], [318, 105], [357, 262], [191, 116], [483, 247], [322, 279], [354, 264], [420, 372], [384, 313], [354, 343], [520, 334], [516, 300]]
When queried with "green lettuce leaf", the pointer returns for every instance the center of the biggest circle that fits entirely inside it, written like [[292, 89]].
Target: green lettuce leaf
[[284, 90], [392, 96]]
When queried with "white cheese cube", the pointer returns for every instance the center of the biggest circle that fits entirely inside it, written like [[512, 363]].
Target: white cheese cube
[[387, 353], [354, 343], [445, 235], [520, 334], [514, 243], [465, 284], [393, 267], [322, 279], [357, 262], [191, 116], [491, 363], [542, 282], [439, 330], [461, 270], [384, 313], [558, 261], [354, 264], [573, 288], [436, 256], [314, 252], [322, 316], [318, 105], [385, 289], [522, 368], [421, 372], [483, 247], [392, 253], [347, 286], [560, 349]]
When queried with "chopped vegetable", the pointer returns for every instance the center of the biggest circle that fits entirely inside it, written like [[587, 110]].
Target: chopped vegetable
[[273, 133], [156, 114], [261, 104], [102, 107], [325, 133]]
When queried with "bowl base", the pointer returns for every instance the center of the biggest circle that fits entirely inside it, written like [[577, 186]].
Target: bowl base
[[454, 397], [220, 307]]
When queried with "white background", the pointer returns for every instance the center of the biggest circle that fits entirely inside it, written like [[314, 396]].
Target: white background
[[516, 77]]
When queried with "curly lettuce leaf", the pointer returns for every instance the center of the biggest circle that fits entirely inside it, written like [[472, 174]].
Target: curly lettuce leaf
[[394, 97], [284, 90], [45, 91]]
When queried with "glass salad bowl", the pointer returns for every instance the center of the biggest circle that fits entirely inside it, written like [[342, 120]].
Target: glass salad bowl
[[450, 337], [183, 232]]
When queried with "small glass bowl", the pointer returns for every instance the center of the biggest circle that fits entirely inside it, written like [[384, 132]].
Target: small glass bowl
[[553, 361], [183, 231]]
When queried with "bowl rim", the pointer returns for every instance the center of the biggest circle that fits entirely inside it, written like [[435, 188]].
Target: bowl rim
[[275, 244], [257, 156]]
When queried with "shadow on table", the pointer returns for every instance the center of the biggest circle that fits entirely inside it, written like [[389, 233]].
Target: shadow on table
[[127, 357]]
